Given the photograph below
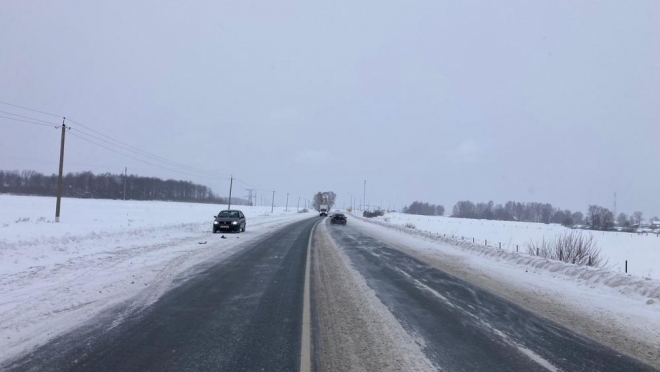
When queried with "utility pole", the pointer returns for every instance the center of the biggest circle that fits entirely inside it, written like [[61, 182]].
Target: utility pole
[[298, 206], [364, 195], [59, 179], [272, 205], [287, 202], [251, 192], [231, 183], [125, 175]]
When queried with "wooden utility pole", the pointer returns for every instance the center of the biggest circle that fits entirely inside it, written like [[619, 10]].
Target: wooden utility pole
[[286, 209], [59, 179], [298, 206], [272, 205]]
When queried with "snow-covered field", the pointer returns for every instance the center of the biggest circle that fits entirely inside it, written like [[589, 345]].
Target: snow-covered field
[[641, 251], [54, 276], [617, 309]]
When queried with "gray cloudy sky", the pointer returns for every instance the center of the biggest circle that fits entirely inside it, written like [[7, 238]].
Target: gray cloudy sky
[[550, 101]]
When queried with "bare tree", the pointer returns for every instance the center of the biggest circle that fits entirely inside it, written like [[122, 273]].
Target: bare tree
[[325, 197], [599, 218], [578, 218], [638, 217], [594, 217], [622, 220]]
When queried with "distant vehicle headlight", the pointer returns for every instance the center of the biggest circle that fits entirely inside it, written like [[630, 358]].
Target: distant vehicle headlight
[[234, 223], [215, 222]]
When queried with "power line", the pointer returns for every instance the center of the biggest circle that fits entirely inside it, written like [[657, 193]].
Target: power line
[[31, 109], [120, 144], [135, 149], [126, 146], [145, 153], [152, 157], [252, 186], [29, 122], [248, 184], [140, 160], [27, 117]]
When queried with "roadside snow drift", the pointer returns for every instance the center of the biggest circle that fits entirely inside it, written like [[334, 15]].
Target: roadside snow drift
[[54, 276], [640, 250]]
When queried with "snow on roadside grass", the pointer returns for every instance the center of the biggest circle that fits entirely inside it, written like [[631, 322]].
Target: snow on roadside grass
[[641, 251], [645, 287], [55, 276]]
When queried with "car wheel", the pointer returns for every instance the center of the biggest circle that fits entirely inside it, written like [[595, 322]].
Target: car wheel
[[243, 228], [214, 230]]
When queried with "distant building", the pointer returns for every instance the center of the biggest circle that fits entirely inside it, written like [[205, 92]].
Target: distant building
[[655, 224]]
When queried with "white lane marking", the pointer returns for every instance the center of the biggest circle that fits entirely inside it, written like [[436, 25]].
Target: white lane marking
[[306, 337], [525, 351], [538, 359], [423, 286]]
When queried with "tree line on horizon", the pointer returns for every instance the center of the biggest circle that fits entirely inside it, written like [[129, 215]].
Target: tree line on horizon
[[424, 209], [108, 186], [596, 218]]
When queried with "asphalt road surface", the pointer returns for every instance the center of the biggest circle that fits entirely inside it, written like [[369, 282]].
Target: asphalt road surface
[[243, 314], [464, 328], [373, 308]]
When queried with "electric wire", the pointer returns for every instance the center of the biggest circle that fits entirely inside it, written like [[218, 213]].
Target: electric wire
[[29, 122], [140, 160], [31, 109], [149, 156], [27, 117], [110, 141]]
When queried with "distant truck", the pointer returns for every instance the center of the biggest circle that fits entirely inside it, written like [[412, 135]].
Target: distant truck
[[323, 210]]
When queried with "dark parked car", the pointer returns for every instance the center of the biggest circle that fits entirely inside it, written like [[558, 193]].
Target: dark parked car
[[338, 218], [229, 220]]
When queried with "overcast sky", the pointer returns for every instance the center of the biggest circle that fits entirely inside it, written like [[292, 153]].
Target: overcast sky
[[440, 101]]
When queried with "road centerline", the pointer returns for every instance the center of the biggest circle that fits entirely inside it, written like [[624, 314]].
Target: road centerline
[[306, 334]]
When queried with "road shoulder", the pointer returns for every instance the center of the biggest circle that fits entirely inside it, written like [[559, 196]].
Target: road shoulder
[[355, 331]]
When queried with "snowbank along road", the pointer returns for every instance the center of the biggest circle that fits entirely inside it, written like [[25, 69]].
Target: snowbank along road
[[373, 308]]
